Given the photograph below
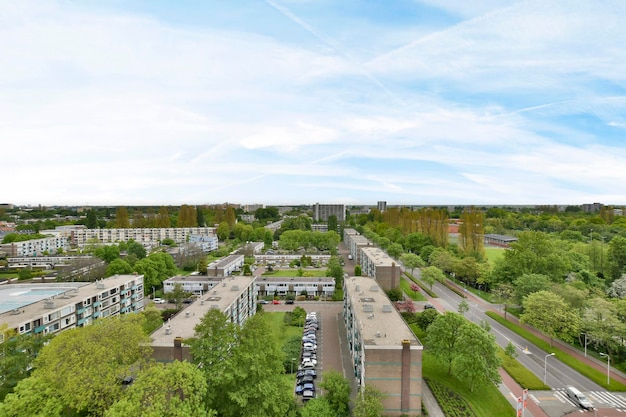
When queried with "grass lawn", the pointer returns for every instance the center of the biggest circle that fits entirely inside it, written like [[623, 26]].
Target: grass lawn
[[493, 254], [281, 332], [294, 273], [406, 287], [485, 401], [8, 275]]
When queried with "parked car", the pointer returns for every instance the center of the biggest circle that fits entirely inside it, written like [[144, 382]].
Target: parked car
[[298, 389], [264, 302], [428, 306], [158, 301], [275, 301], [305, 379], [309, 386], [289, 302], [308, 365], [310, 372], [576, 396], [308, 395]]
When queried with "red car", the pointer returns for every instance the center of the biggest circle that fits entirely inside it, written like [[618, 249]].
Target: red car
[[276, 302]]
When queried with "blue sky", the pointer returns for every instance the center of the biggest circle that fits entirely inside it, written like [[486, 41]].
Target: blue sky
[[304, 101]]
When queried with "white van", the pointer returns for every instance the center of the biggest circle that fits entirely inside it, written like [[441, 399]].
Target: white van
[[578, 398]]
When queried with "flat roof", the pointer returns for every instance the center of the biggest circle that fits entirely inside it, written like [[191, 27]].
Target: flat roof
[[30, 297], [275, 278], [221, 297], [225, 261], [379, 322], [378, 256], [193, 278]]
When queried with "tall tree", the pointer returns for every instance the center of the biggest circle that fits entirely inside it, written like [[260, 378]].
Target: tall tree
[[17, 353], [478, 361], [163, 218], [411, 261], [551, 315], [471, 232], [443, 339], [122, 220], [91, 221], [430, 274], [332, 223]]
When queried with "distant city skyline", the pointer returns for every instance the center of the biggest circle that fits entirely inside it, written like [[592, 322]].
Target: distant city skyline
[[296, 102]]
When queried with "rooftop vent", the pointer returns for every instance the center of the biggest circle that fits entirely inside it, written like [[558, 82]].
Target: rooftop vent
[[234, 288], [387, 308], [100, 285], [377, 334], [215, 306], [16, 311], [374, 288], [49, 304], [371, 316], [368, 308], [358, 288]]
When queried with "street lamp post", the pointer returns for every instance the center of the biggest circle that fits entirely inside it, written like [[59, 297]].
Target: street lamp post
[[608, 367], [545, 366], [292, 361]]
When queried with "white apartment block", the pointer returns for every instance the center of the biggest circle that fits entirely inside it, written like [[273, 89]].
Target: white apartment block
[[322, 211], [36, 247], [55, 307], [355, 242], [206, 243], [145, 236]]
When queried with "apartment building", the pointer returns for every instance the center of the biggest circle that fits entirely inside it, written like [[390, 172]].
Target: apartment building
[[382, 267], [381, 206], [54, 307], [36, 247], [321, 212], [385, 352], [145, 236], [226, 266], [206, 243], [355, 242], [322, 287], [236, 297]]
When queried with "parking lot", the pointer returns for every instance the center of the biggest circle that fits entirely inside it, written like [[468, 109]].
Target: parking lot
[[329, 346]]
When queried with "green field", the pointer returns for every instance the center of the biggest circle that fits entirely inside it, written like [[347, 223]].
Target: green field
[[493, 254]]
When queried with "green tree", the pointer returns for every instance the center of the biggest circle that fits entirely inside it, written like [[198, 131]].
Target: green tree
[[430, 274], [176, 389], [425, 318], [91, 220], [505, 292], [550, 314], [444, 335], [317, 407], [411, 261], [251, 378], [617, 256], [477, 361], [334, 269], [601, 323], [358, 271], [471, 232], [17, 353], [510, 351], [163, 218], [530, 283], [332, 223], [463, 307], [369, 403], [395, 250], [212, 351], [136, 249], [114, 346], [178, 295], [33, 396], [118, 267], [337, 393], [223, 231]]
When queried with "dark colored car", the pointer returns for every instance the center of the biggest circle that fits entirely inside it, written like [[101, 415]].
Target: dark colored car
[[299, 389], [289, 302]]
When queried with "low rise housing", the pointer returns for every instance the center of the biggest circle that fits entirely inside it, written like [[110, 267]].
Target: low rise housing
[[236, 297], [385, 352], [195, 284], [226, 266], [312, 287], [285, 260], [208, 243], [54, 307]]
